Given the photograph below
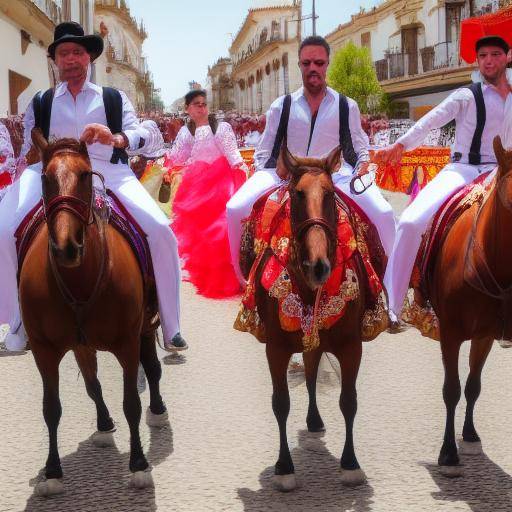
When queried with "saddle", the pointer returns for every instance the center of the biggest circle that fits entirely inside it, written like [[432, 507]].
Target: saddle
[[107, 207], [422, 315], [359, 254]]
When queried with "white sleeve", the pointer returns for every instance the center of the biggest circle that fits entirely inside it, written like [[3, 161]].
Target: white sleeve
[[227, 141], [131, 126], [439, 116], [28, 124], [7, 161], [182, 147], [266, 144]]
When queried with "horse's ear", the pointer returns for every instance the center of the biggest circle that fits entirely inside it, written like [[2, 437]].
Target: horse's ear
[[40, 143], [333, 160], [287, 160], [503, 157]]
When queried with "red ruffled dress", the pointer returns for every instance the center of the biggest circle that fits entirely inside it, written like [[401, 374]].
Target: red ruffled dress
[[210, 177]]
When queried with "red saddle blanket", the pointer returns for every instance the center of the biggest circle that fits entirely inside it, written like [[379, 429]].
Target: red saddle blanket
[[107, 207], [358, 251], [422, 316]]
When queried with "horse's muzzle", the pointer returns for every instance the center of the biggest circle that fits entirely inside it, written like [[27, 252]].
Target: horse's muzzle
[[70, 255], [318, 272]]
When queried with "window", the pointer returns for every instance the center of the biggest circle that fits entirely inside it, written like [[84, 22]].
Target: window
[[17, 84], [84, 15], [366, 40]]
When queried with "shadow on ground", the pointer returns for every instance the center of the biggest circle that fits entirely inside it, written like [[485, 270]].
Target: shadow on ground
[[97, 479], [484, 487], [319, 484]]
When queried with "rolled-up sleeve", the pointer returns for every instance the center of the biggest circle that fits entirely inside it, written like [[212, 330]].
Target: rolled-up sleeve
[[266, 144]]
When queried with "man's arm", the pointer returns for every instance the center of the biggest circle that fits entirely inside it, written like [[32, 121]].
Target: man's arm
[[134, 132], [266, 144]]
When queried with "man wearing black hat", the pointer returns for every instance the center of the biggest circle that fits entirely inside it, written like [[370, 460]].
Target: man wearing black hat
[[479, 114], [105, 120]]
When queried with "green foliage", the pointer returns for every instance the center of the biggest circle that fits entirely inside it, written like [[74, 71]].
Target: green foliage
[[352, 73]]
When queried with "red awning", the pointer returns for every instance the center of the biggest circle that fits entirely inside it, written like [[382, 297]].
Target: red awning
[[472, 29]]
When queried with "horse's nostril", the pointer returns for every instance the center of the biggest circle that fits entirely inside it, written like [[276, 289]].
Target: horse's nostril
[[321, 270]]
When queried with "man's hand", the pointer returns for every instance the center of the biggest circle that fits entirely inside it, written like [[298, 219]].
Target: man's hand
[[98, 133], [389, 155]]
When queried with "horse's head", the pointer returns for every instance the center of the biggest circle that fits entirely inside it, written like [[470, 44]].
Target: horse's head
[[504, 175], [67, 196], [313, 214]]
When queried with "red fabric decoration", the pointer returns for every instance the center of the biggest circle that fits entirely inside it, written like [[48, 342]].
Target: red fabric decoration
[[494, 24]]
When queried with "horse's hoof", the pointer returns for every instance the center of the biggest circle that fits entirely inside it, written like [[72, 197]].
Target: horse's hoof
[[50, 487], [103, 439], [285, 483], [157, 420], [352, 477], [451, 471], [142, 479], [470, 448]]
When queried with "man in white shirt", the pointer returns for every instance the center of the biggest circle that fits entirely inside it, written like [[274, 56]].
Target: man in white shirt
[[478, 111], [313, 129], [77, 108]]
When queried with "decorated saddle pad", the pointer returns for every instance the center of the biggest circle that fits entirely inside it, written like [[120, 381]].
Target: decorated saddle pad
[[423, 316], [106, 207], [268, 237]]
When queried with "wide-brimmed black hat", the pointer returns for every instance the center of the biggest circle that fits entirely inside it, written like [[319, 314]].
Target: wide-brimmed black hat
[[492, 40], [72, 32]]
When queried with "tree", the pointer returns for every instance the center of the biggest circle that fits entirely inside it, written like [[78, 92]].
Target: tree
[[352, 73]]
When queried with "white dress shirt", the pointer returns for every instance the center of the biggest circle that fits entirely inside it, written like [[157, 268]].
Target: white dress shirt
[[461, 106], [325, 136], [206, 146], [70, 116]]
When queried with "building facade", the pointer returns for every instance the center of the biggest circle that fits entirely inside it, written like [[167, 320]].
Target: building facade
[[26, 30], [264, 55], [122, 64], [415, 47], [220, 86]]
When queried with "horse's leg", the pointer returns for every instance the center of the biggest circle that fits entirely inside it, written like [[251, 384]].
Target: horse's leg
[[448, 457], [129, 360], [480, 349], [278, 360], [311, 362], [48, 362], [88, 364], [157, 413], [349, 355]]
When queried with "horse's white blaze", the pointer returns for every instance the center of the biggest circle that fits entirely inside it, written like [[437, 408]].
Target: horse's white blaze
[[49, 487], [451, 471], [352, 476], [285, 483], [467, 448], [156, 420], [141, 480], [103, 439]]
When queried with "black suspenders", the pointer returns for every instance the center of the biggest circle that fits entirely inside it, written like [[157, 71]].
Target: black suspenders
[[474, 157], [345, 137]]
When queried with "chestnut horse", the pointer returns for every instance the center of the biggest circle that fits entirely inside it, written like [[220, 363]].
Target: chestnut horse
[[471, 292], [314, 237], [81, 289]]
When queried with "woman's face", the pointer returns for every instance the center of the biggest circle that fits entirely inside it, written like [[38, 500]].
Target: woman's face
[[198, 108]]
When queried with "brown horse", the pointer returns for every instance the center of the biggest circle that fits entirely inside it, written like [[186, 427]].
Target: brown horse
[[471, 292], [313, 222], [81, 289]]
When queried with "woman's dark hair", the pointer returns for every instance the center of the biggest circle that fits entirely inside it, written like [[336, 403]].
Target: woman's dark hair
[[191, 95], [315, 41]]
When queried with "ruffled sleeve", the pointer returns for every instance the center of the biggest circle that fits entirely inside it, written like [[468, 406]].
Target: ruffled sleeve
[[226, 140], [182, 147]]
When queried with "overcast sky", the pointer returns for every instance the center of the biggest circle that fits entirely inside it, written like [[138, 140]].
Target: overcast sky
[[186, 36]]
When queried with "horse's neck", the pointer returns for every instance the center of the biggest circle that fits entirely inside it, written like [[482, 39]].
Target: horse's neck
[[493, 231]]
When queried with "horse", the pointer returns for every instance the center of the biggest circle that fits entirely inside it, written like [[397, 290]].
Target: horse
[[471, 293], [313, 238], [81, 289]]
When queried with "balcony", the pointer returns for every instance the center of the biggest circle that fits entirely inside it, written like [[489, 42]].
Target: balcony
[[397, 64], [49, 7]]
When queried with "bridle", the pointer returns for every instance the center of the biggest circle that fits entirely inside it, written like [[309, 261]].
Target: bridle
[[84, 212]]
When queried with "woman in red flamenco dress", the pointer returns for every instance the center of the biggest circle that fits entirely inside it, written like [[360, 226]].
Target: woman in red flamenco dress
[[213, 171]]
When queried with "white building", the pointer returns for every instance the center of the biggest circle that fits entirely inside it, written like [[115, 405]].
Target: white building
[[415, 47], [264, 54], [26, 30]]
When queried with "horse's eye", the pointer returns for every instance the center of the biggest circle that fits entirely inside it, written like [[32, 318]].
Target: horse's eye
[[300, 194]]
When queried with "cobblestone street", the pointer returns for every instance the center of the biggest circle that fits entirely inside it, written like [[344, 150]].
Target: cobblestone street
[[222, 444]]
